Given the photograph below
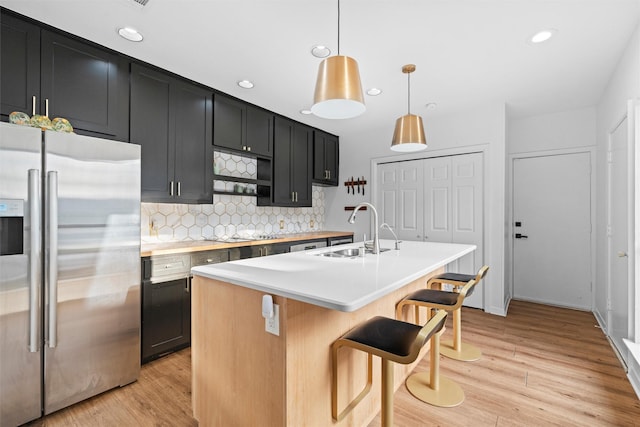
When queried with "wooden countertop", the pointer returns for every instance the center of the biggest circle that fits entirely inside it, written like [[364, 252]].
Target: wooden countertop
[[167, 248]]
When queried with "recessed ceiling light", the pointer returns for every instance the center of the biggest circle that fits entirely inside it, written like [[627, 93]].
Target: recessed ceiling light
[[305, 112], [374, 91], [130, 34], [320, 51], [246, 84], [431, 106], [542, 36]]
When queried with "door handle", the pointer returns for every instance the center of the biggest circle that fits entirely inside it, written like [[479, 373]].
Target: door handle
[[521, 236], [34, 258], [53, 257], [622, 254]]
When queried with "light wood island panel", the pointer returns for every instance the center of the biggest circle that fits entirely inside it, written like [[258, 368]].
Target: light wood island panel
[[244, 376]]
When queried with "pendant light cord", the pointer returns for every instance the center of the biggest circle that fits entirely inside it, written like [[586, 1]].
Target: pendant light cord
[[408, 93], [338, 27]]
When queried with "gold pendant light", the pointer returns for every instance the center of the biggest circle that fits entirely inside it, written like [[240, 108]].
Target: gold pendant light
[[338, 92], [409, 133]]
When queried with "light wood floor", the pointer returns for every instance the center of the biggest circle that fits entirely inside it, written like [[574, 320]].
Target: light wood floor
[[541, 366]]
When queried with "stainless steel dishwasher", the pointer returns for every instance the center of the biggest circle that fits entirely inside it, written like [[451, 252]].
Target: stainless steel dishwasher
[[304, 246]]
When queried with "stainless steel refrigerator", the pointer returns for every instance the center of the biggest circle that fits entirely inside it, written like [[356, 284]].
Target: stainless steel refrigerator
[[69, 269]]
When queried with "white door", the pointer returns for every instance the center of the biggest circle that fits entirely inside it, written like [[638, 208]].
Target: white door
[[552, 230], [618, 247], [454, 210], [400, 197], [438, 200]]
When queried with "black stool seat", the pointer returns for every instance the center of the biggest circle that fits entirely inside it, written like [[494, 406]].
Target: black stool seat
[[455, 277], [435, 296], [391, 340], [390, 336]]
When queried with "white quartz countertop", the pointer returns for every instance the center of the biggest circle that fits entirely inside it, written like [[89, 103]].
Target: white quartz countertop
[[343, 284]]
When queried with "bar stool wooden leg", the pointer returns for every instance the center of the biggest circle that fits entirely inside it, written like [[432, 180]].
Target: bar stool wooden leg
[[387, 393], [456, 349], [430, 387]]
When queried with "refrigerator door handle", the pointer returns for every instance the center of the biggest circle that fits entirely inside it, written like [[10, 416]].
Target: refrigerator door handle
[[34, 258], [52, 192]]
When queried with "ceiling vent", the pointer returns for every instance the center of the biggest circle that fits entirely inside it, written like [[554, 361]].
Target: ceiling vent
[[137, 3]]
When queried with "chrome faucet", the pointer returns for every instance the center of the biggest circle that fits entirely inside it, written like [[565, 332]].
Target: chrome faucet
[[388, 227], [352, 219]]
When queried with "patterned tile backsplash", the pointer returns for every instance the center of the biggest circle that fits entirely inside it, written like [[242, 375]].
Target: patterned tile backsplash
[[228, 215]]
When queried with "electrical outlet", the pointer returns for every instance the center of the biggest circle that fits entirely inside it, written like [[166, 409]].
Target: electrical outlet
[[272, 325], [281, 224], [311, 224]]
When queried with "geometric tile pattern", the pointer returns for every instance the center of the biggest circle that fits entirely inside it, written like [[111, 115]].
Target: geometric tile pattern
[[229, 215]]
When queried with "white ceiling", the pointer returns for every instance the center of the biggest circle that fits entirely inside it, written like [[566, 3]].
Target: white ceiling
[[468, 53]]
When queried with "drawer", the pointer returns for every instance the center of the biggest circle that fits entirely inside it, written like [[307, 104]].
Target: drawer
[[209, 257], [164, 267]]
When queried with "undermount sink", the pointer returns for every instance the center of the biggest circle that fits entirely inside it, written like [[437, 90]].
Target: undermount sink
[[349, 253]]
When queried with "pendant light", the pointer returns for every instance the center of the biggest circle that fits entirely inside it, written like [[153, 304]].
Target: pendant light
[[409, 133], [338, 92]]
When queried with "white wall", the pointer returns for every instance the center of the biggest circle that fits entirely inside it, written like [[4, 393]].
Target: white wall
[[548, 133], [481, 129], [624, 85]]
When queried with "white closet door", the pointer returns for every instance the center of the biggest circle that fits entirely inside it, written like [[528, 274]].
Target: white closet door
[[437, 200], [467, 209], [400, 195]]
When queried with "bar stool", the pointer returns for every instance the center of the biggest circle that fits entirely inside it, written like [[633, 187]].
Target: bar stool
[[456, 349], [393, 341], [429, 386]]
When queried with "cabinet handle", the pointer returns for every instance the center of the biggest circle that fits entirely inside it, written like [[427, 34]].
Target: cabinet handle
[[329, 173], [33, 105], [179, 188], [296, 200], [171, 188], [293, 196], [46, 107], [248, 148], [187, 288]]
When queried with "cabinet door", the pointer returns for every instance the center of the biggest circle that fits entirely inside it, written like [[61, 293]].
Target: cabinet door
[[282, 143], [166, 317], [194, 148], [259, 131], [19, 65], [325, 158], [301, 164], [84, 84], [228, 123], [151, 127]]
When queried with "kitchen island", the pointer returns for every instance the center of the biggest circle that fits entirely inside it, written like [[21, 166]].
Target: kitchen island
[[243, 375]]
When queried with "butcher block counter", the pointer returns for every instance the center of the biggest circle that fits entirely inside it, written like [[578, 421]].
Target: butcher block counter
[[243, 375], [166, 248]]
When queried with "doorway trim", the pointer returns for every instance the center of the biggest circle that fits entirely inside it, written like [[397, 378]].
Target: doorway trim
[[510, 229]]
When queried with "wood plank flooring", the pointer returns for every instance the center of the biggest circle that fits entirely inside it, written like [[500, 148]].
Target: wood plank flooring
[[541, 366]]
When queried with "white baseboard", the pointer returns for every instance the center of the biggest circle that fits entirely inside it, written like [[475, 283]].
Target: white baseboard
[[633, 365]]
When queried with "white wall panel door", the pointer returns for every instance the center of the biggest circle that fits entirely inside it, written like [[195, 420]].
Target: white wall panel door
[[400, 194], [467, 210], [437, 200], [552, 244], [618, 232]]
